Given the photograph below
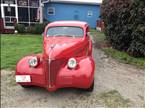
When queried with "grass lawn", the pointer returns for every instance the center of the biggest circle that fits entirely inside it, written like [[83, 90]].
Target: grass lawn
[[121, 56], [14, 47], [125, 58], [99, 36]]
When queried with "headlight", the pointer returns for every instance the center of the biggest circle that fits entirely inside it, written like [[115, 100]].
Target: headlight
[[33, 62], [72, 63]]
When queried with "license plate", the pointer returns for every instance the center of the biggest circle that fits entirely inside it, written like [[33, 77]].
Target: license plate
[[23, 78]]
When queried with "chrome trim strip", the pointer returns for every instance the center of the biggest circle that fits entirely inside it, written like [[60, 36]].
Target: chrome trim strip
[[49, 62]]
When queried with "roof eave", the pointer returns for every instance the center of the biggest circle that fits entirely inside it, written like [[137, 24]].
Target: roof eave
[[72, 2]]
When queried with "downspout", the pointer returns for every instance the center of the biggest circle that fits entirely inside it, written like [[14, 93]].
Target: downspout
[[41, 11]]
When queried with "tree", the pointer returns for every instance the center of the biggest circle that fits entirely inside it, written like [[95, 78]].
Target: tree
[[125, 25]]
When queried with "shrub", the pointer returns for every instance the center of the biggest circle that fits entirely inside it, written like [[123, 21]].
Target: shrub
[[30, 29], [125, 25], [36, 29], [39, 28], [20, 28]]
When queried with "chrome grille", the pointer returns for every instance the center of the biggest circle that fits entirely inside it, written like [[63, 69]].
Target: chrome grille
[[54, 67]]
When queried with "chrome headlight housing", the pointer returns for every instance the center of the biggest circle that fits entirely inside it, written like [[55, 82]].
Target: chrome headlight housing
[[72, 63], [33, 62]]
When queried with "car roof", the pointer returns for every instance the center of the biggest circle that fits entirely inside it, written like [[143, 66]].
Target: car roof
[[68, 23]]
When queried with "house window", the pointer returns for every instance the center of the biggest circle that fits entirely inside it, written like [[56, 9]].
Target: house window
[[33, 14], [9, 11], [8, 1], [90, 13], [23, 2], [51, 11], [0, 14], [34, 3], [23, 14]]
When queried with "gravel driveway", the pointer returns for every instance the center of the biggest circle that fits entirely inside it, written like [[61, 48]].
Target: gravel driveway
[[111, 77]]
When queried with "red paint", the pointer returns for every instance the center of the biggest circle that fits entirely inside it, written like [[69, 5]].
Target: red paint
[[100, 24], [2, 26], [55, 74], [4, 30]]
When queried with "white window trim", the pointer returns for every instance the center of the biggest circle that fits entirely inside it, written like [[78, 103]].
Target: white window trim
[[53, 10], [3, 16], [29, 22], [88, 13], [2, 5]]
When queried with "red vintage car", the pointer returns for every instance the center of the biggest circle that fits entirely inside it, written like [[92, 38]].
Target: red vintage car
[[66, 60]]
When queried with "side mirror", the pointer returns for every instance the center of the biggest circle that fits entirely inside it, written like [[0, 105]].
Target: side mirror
[[88, 33]]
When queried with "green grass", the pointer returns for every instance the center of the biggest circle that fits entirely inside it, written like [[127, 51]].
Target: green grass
[[125, 58], [99, 36], [113, 99], [119, 55], [14, 47]]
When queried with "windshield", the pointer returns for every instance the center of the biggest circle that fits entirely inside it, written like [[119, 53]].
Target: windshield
[[65, 31]]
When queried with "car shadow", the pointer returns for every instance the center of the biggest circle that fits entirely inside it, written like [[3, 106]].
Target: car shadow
[[60, 91]]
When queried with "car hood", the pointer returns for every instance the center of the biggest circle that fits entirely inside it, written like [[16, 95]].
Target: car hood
[[61, 46]]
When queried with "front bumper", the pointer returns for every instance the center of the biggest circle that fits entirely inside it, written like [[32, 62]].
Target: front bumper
[[81, 77]]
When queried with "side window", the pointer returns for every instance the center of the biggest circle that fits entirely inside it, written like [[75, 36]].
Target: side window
[[51, 11], [90, 13]]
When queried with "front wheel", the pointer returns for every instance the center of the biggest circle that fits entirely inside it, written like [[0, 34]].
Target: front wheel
[[91, 88]]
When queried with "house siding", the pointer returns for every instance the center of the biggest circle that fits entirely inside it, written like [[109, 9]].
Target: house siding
[[67, 11]]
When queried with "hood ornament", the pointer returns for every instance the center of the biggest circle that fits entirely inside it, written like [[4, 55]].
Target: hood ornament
[[52, 46]]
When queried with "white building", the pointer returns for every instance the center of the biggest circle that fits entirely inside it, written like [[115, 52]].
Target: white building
[[22, 11]]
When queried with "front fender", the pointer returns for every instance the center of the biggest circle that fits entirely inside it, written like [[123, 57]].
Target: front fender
[[37, 74], [81, 77]]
